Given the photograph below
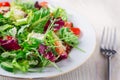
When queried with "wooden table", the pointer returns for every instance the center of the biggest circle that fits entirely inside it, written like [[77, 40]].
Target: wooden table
[[98, 13]]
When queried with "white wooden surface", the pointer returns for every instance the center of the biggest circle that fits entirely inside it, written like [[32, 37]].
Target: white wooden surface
[[98, 13]]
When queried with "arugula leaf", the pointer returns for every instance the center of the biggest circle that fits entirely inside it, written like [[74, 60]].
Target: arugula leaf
[[32, 43], [21, 65], [8, 55], [33, 62], [40, 27], [24, 5], [39, 20], [1, 59], [43, 61], [35, 42], [49, 40], [1, 16], [21, 54], [15, 13], [7, 66], [66, 35], [22, 29], [13, 32], [5, 27], [22, 36], [4, 20], [21, 21], [59, 12], [1, 49], [22, 33], [40, 14]]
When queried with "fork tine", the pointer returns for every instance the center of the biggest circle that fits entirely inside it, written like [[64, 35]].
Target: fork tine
[[111, 43], [114, 40], [111, 38], [108, 45], [102, 38], [107, 38]]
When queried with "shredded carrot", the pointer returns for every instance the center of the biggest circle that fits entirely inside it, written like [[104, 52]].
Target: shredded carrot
[[68, 24], [43, 4], [59, 49]]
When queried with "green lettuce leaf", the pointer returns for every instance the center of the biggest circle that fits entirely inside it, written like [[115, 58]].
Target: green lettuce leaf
[[66, 35], [20, 65], [39, 19], [24, 5], [4, 20], [59, 12], [5, 27]]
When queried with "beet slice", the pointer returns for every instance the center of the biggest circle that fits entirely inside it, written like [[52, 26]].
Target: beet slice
[[48, 55], [59, 23], [11, 44], [37, 5]]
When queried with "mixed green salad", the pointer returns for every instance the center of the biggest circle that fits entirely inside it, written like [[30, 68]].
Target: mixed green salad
[[34, 35]]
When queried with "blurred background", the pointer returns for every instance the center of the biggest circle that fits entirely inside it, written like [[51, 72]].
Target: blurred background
[[98, 12]]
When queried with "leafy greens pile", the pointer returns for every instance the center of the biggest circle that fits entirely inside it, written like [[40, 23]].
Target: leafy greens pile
[[31, 35]]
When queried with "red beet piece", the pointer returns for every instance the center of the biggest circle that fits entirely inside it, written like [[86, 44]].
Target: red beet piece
[[59, 23], [48, 55], [11, 44], [37, 5]]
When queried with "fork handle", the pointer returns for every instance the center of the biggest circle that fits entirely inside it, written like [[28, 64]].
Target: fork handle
[[109, 67]]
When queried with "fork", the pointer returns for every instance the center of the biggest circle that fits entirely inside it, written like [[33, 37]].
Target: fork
[[108, 47]]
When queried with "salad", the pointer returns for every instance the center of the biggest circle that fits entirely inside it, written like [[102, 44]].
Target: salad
[[34, 35]]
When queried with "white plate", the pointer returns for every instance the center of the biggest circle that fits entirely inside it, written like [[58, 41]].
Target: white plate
[[77, 58]]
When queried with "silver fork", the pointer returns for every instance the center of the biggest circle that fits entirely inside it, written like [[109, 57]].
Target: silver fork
[[108, 47]]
